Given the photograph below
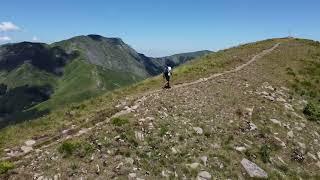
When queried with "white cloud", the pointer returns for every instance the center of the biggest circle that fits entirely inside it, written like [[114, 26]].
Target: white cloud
[[8, 26], [35, 38], [5, 38]]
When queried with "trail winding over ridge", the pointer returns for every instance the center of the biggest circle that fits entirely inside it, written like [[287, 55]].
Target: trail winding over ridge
[[79, 131]]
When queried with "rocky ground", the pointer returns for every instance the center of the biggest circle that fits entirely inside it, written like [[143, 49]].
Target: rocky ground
[[235, 126]]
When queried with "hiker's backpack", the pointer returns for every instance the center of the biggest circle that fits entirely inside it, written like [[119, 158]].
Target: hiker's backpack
[[166, 70]]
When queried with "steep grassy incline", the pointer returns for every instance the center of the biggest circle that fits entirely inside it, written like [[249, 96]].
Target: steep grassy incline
[[82, 81], [266, 112], [51, 125], [36, 78]]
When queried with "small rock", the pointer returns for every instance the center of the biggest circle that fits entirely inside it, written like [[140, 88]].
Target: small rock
[[150, 118], [312, 156], [318, 164], [249, 111], [193, 165], [297, 156], [98, 169], [30, 142], [290, 134], [174, 151], [56, 177], [252, 126], [40, 178], [26, 149], [198, 130], [139, 135], [280, 99], [204, 175], [7, 150], [275, 121], [132, 176], [302, 145], [216, 146], [281, 142], [253, 170], [129, 160], [270, 98], [269, 87], [66, 131], [204, 159], [221, 166], [281, 160], [150, 126], [82, 131], [165, 173], [288, 107], [240, 148], [318, 153]]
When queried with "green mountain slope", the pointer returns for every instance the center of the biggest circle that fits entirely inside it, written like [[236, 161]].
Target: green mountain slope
[[71, 71], [247, 103]]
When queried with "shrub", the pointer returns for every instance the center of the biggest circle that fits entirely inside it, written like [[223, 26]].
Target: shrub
[[265, 153], [119, 121], [312, 111], [68, 147], [163, 130], [5, 166], [77, 148]]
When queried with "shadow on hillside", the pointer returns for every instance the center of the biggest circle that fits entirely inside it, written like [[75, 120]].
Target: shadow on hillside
[[16, 104], [22, 117], [50, 59]]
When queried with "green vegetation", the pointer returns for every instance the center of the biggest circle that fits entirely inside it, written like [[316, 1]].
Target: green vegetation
[[169, 146], [75, 148], [5, 166], [312, 111], [76, 69], [163, 129], [62, 118], [305, 74], [265, 153], [119, 121]]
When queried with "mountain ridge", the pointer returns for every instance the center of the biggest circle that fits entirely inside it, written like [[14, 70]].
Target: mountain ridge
[[239, 107], [74, 70]]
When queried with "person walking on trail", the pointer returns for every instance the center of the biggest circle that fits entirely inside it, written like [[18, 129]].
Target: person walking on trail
[[166, 75]]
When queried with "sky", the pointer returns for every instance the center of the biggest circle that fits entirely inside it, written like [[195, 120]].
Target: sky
[[162, 27]]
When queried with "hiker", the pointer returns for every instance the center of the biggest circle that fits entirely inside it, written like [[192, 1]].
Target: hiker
[[166, 75]]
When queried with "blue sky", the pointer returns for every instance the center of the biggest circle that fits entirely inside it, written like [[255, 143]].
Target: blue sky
[[162, 27]]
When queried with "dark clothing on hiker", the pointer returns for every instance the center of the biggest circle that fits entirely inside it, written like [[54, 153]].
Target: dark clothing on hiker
[[166, 76]]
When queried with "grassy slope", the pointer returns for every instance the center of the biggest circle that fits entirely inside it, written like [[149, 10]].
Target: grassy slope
[[211, 106], [82, 81], [57, 120], [27, 74]]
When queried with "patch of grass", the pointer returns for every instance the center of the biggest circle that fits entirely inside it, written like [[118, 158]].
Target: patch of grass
[[163, 130], [56, 120], [5, 166], [290, 72], [229, 139], [119, 121], [312, 111], [264, 152], [68, 147], [77, 148]]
